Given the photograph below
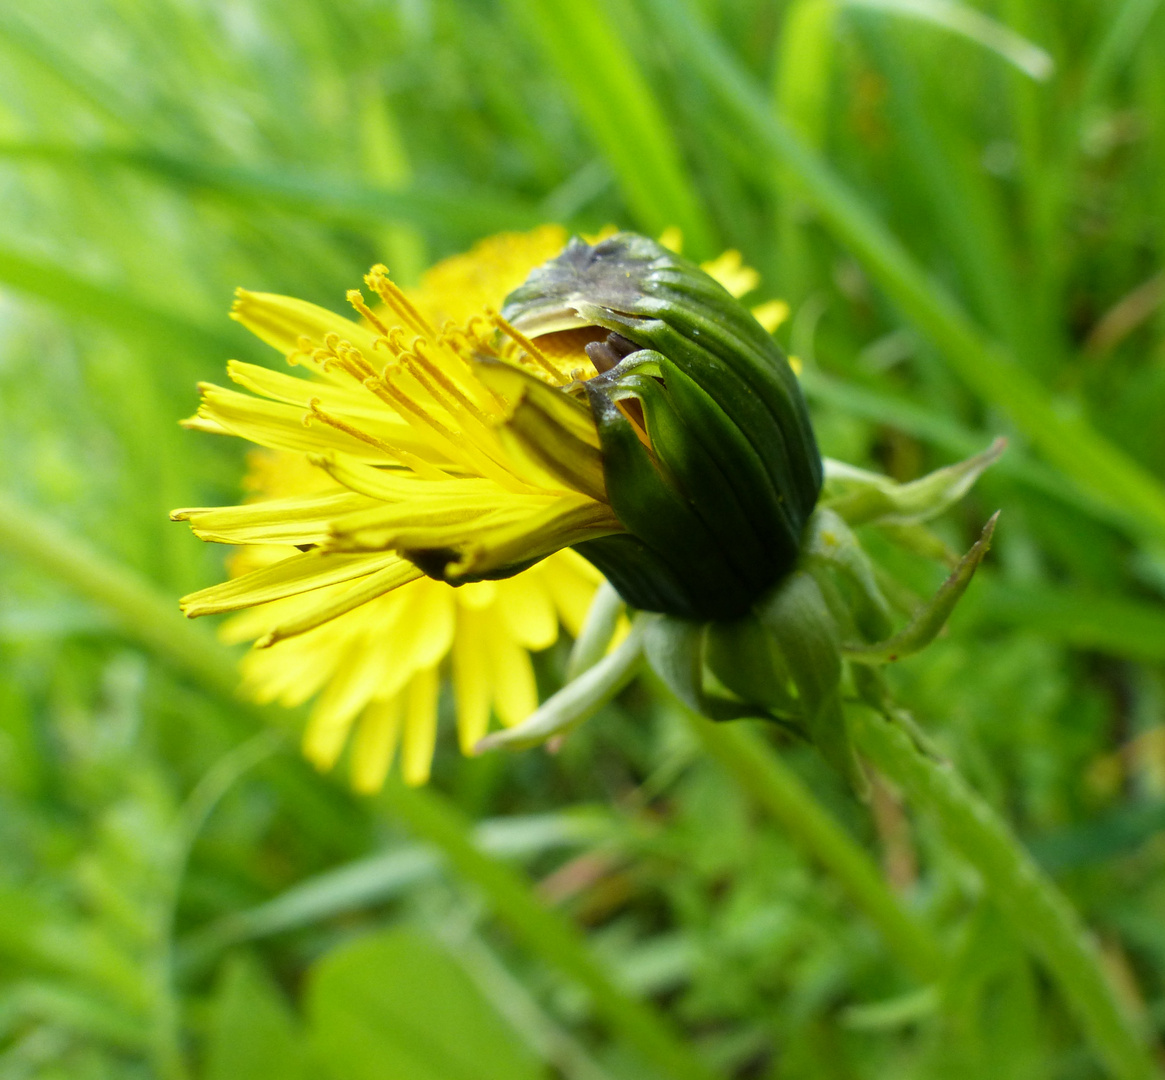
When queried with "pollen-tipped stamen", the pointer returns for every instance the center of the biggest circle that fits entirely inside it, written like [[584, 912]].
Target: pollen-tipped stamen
[[356, 298], [378, 281], [539, 358]]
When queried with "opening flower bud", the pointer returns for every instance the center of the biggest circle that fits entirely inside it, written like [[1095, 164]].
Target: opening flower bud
[[709, 458]]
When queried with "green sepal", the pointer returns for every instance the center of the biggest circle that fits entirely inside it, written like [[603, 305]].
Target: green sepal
[[682, 458], [675, 650], [924, 627], [863, 497], [761, 364], [598, 630], [726, 443], [743, 656], [661, 518], [805, 631], [577, 700], [637, 573], [831, 545], [794, 490]]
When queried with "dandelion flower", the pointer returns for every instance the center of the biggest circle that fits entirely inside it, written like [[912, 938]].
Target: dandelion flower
[[432, 444]]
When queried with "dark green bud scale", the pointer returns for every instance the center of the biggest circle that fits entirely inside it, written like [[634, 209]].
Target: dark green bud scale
[[716, 507]]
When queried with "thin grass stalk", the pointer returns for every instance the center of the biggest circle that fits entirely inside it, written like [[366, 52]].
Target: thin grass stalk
[[1039, 913], [582, 43], [777, 790]]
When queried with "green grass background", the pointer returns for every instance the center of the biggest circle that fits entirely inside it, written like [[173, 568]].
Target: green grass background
[[964, 205]]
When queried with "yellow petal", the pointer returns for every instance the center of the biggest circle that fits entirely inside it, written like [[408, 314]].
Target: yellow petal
[[350, 688], [277, 474], [298, 574], [282, 320], [331, 606], [515, 692], [572, 582], [302, 520], [471, 677], [503, 540], [293, 671], [440, 520], [730, 271], [375, 744], [461, 286], [394, 486], [431, 626], [278, 426], [526, 608], [771, 314], [351, 402], [476, 595], [420, 727], [516, 386]]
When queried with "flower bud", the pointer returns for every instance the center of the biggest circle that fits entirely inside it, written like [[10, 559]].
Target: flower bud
[[709, 457]]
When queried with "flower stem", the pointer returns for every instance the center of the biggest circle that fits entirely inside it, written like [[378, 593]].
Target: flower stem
[[1039, 913], [782, 795]]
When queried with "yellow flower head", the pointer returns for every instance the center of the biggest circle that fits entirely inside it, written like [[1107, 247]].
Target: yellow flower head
[[430, 444]]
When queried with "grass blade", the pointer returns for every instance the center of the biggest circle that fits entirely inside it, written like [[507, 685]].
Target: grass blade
[[625, 119], [461, 211], [965, 21], [81, 298]]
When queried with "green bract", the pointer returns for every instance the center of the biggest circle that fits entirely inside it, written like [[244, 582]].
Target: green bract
[[715, 510], [754, 596]]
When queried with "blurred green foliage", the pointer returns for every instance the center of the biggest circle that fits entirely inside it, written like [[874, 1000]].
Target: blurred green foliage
[[963, 203]]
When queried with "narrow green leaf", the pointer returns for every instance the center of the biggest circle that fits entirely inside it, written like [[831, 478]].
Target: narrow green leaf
[[114, 308], [965, 21], [76, 1010], [462, 211], [1083, 619], [627, 122], [931, 618], [18, 33], [1125, 32], [372, 880]]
